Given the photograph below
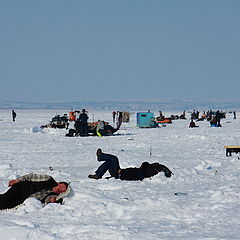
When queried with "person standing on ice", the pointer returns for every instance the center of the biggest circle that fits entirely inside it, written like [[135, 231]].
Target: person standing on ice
[[40, 186], [119, 119], [14, 115], [83, 118], [114, 116], [218, 118], [111, 164], [234, 114]]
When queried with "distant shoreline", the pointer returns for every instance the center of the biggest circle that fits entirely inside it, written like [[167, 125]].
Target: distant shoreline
[[169, 104]]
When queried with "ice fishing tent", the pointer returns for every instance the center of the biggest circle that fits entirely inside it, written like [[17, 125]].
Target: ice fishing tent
[[146, 120]]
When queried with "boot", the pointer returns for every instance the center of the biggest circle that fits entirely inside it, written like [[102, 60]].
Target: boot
[[94, 176]]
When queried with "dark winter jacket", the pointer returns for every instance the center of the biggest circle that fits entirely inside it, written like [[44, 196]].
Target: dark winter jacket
[[83, 117], [146, 170], [155, 168], [131, 174]]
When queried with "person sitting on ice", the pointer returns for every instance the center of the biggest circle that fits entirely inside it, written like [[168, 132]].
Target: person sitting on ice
[[160, 117], [192, 124], [111, 164], [42, 187]]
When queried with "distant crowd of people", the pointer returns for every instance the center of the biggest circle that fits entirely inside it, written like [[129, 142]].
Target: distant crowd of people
[[214, 117]]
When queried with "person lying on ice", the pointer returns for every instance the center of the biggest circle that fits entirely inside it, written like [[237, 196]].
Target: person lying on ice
[[42, 187], [111, 164]]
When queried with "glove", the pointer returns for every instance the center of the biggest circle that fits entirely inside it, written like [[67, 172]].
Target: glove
[[167, 172]]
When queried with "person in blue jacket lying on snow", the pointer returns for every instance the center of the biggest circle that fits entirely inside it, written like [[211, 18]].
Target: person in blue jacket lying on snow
[[111, 164]]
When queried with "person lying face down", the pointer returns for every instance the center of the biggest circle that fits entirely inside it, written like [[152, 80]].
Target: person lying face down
[[111, 164], [40, 186], [146, 170]]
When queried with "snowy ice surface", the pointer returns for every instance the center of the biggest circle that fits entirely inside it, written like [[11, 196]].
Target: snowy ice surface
[[123, 210]]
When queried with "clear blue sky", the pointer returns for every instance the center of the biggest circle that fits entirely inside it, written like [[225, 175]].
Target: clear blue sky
[[54, 50]]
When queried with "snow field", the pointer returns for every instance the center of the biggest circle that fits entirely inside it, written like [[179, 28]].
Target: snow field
[[123, 210]]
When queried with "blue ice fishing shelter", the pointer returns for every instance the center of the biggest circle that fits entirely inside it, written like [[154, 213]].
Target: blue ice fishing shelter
[[146, 120]]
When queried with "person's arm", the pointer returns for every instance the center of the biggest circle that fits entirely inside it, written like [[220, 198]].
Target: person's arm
[[30, 177], [51, 199], [34, 177]]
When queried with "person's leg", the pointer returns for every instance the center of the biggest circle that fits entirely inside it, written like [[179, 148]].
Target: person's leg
[[114, 167], [86, 129], [14, 196], [81, 129], [111, 165], [102, 169]]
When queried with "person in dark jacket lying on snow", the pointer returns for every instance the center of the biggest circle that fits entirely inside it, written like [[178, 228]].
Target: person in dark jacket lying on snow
[[42, 187], [111, 164]]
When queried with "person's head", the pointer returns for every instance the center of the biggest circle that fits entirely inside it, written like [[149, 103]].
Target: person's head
[[144, 165], [60, 188], [83, 110], [99, 152]]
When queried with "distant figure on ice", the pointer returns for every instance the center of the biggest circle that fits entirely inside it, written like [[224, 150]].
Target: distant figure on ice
[[160, 117], [111, 164], [39, 186], [192, 124], [14, 115], [114, 116], [183, 116], [218, 118], [234, 114], [119, 119], [83, 118]]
